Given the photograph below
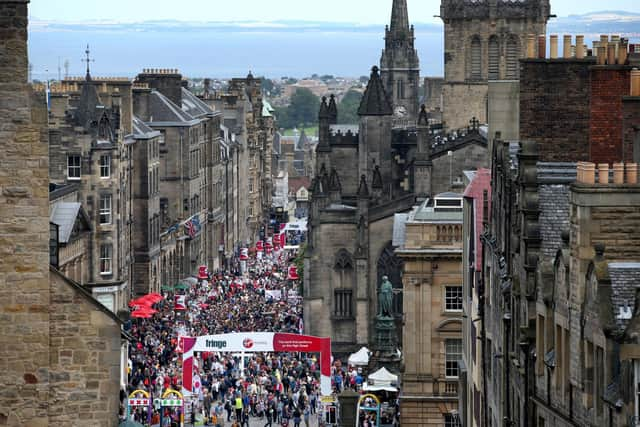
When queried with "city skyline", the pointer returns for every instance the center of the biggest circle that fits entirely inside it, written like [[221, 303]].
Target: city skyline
[[360, 11]]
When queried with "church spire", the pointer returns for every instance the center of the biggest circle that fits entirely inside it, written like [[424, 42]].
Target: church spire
[[399, 17]]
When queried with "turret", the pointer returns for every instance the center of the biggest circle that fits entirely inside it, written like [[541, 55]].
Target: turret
[[333, 110], [422, 164]]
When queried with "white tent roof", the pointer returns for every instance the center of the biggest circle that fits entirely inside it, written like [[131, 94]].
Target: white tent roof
[[367, 387], [382, 377], [360, 358]]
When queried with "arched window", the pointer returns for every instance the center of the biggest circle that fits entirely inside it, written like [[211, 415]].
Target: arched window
[[513, 56], [476, 58], [400, 91], [494, 58]]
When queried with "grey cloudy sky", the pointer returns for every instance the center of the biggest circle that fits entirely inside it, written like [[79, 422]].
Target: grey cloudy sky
[[362, 11]]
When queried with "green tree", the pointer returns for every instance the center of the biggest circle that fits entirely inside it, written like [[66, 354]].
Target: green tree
[[348, 108]]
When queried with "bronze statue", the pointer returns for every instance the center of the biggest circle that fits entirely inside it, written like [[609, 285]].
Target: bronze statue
[[385, 297]]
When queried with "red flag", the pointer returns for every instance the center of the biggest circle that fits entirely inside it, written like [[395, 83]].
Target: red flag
[[244, 254], [293, 273], [180, 302], [260, 246]]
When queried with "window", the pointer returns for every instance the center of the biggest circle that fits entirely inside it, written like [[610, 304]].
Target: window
[[453, 298], [73, 167], [476, 59], [105, 259], [452, 420], [494, 58], [453, 354], [343, 303], [513, 55], [105, 166], [105, 209]]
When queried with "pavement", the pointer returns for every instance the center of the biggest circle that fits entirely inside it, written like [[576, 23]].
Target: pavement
[[257, 422]]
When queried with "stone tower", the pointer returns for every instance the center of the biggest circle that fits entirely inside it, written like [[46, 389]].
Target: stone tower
[[400, 66], [24, 242], [484, 40]]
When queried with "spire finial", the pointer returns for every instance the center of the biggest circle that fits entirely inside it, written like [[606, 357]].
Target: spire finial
[[399, 16], [88, 60]]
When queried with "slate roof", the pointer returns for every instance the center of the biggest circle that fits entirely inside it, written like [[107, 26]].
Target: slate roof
[[375, 101], [625, 281], [554, 217], [141, 130], [64, 214], [193, 105], [163, 110]]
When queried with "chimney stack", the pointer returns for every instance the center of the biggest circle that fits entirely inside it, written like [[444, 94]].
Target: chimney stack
[[554, 46]]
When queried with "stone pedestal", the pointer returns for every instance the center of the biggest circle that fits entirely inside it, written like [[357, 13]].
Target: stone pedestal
[[386, 336], [348, 408]]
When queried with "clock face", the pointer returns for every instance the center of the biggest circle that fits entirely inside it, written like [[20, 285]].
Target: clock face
[[400, 111]]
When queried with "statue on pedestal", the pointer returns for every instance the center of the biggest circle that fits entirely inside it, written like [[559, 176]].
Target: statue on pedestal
[[385, 297]]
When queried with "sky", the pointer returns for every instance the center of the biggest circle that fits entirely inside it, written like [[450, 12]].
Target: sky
[[361, 11]]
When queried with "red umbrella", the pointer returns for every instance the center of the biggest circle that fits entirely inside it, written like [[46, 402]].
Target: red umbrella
[[145, 309], [154, 298], [141, 315], [139, 302]]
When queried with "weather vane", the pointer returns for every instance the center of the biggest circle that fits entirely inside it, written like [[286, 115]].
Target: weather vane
[[88, 60]]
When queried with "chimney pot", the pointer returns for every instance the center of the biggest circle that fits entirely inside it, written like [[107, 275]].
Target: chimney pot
[[632, 173], [589, 173], [553, 40], [542, 46], [604, 39], [531, 46], [579, 47], [566, 47], [635, 82], [603, 173], [622, 52], [618, 173], [611, 54], [602, 55]]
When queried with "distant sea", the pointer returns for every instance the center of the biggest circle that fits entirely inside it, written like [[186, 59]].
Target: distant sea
[[222, 54], [273, 49]]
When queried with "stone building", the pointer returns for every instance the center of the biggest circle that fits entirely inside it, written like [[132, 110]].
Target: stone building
[[87, 126], [72, 231], [145, 184], [557, 295], [483, 41], [189, 177], [250, 120], [366, 173], [50, 325], [431, 251], [477, 205]]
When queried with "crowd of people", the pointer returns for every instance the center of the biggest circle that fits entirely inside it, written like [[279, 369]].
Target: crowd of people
[[277, 388]]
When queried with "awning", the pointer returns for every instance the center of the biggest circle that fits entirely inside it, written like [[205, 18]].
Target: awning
[[360, 358], [367, 387]]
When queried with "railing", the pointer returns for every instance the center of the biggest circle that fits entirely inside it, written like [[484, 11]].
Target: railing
[[448, 388], [634, 421]]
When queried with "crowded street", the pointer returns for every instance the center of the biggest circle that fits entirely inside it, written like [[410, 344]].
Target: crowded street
[[257, 389]]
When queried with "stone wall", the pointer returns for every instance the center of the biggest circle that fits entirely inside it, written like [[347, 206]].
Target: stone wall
[[555, 107], [24, 217], [84, 376], [470, 157], [462, 102]]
